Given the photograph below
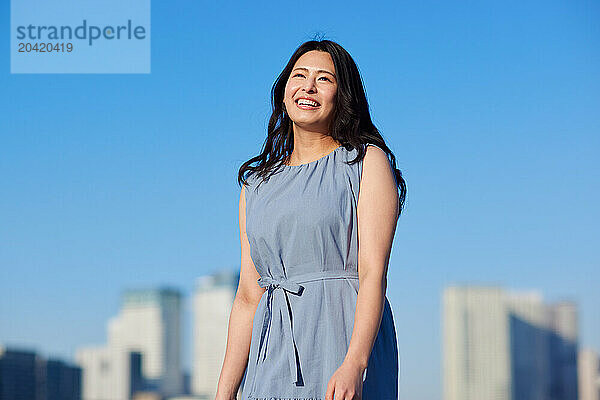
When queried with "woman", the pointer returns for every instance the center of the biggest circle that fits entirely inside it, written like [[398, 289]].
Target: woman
[[318, 215]]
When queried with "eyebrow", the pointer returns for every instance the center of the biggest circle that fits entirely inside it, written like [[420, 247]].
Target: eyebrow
[[320, 70]]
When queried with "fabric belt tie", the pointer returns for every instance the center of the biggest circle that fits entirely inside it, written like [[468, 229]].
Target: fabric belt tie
[[277, 300]]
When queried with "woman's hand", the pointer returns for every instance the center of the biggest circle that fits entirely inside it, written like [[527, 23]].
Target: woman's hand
[[346, 383]]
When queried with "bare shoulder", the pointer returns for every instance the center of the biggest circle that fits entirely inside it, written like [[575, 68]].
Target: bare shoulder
[[378, 189], [375, 155], [376, 164]]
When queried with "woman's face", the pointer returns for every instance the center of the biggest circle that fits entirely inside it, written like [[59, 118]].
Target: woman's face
[[312, 78]]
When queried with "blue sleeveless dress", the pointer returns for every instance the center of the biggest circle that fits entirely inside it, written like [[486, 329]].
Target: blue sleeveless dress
[[302, 229]]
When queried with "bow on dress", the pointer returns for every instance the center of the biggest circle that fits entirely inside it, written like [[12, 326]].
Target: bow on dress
[[277, 295]]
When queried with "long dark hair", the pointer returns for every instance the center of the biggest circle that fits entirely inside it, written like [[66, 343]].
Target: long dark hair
[[351, 124]]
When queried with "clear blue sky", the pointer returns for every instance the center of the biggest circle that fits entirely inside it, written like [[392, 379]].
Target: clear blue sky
[[118, 181]]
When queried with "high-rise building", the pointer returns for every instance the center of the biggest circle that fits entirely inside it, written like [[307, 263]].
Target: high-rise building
[[529, 345], [588, 372], [57, 380], [25, 375], [476, 345], [502, 345], [143, 350], [17, 374], [150, 322], [564, 346], [213, 300], [109, 373]]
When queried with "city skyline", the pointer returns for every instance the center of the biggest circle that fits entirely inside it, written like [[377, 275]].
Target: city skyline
[[187, 317], [505, 342]]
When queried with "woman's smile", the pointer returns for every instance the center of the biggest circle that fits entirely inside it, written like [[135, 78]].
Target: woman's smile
[[305, 105]]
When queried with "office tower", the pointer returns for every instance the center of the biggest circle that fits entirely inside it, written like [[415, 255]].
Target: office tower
[[476, 345], [147, 331], [507, 345], [213, 300], [150, 322], [588, 371], [529, 350], [28, 376], [17, 374], [109, 373], [563, 330], [56, 380]]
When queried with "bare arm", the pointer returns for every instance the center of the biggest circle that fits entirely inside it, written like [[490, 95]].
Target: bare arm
[[239, 333], [377, 217]]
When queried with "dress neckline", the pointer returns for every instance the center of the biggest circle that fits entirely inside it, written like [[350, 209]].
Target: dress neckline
[[315, 161]]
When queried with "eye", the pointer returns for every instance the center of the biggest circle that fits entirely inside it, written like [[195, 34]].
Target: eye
[[323, 77]]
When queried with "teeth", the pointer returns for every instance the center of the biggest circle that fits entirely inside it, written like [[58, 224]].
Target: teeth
[[308, 102]]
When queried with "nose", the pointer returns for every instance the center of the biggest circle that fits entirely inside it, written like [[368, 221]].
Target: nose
[[309, 84]]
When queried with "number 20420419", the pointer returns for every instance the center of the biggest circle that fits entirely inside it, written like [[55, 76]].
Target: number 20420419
[[45, 47]]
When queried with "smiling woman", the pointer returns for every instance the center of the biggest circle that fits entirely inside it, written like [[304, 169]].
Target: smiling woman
[[310, 95], [317, 218]]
